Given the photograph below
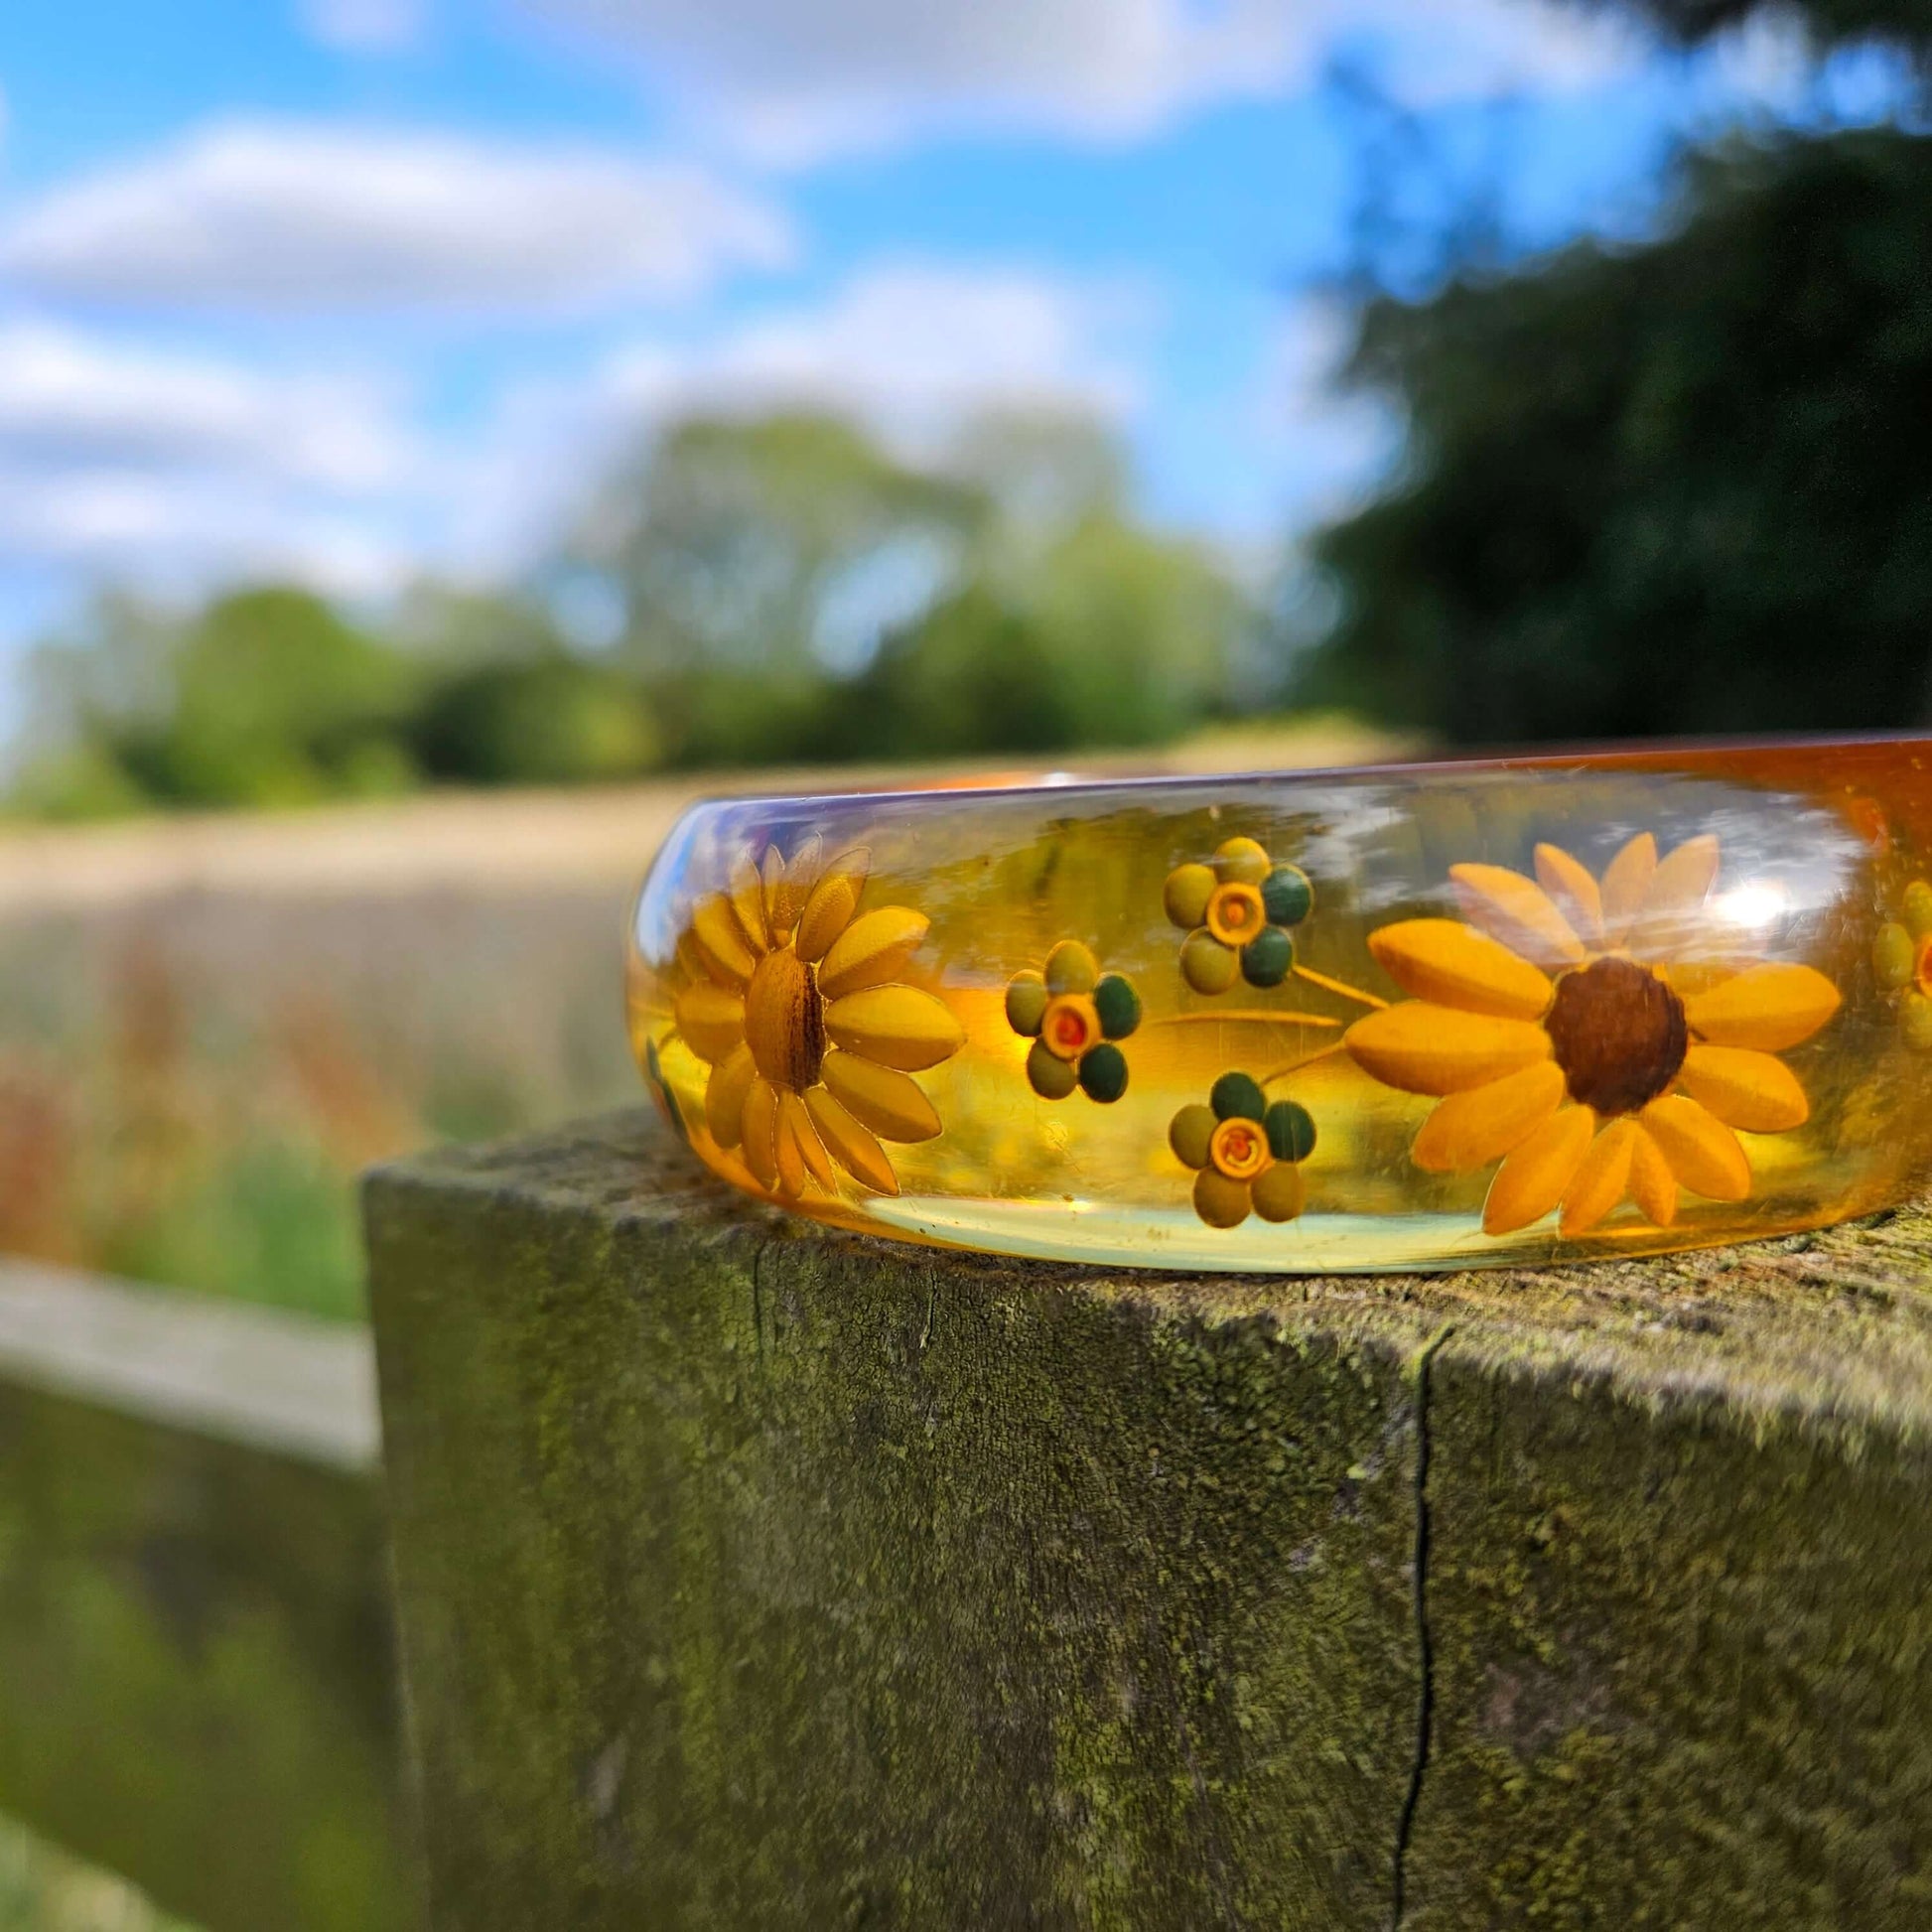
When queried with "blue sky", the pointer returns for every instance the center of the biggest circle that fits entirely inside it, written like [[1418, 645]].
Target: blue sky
[[354, 290]]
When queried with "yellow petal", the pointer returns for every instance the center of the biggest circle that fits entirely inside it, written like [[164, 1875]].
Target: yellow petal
[[1457, 966], [796, 1121], [1519, 913], [748, 904], [1744, 1088], [1671, 918], [724, 1096], [832, 903], [1681, 882], [896, 1026], [1278, 1193], [721, 941], [1574, 891], [1601, 1178], [691, 958], [791, 1156], [1704, 1154], [1768, 1007], [771, 884], [890, 1103], [759, 1122], [786, 895], [1534, 1176], [1219, 1201], [1426, 1049], [871, 950], [1469, 1130], [1652, 1185], [853, 1147], [1241, 862], [710, 1018], [1627, 879], [1187, 893]]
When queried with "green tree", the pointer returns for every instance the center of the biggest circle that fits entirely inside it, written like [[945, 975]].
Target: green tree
[[794, 592], [732, 544], [266, 697], [1678, 486], [972, 676], [508, 701]]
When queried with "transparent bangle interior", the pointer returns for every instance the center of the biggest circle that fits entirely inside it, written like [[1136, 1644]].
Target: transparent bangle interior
[[1420, 1017]]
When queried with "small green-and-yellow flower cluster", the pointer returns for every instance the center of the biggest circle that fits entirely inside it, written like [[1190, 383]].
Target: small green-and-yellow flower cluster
[[1246, 1152], [1237, 911], [1073, 1014]]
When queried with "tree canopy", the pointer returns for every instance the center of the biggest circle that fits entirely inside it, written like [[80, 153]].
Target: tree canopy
[[1676, 487], [787, 589]]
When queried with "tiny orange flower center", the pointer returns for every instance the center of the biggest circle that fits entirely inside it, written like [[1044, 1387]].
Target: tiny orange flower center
[[1620, 1034], [1239, 1149], [1235, 913], [784, 1020], [1069, 1026]]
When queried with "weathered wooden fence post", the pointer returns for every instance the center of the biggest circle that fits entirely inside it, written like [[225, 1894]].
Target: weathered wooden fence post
[[753, 1576], [195, 1667]]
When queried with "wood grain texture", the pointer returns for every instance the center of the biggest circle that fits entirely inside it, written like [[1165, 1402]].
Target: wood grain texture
[[755, 1575]]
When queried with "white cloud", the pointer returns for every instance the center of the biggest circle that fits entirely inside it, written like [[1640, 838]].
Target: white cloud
[[365, 26], [1329, 444], [180, 470], [911, 349], [1487, 49], [67, 398], [176, 534], [792, 83], [294, 216]]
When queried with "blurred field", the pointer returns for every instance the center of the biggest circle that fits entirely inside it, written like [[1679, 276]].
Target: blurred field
[[209, 1026]]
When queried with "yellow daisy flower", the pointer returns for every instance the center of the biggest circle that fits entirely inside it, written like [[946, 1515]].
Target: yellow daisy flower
[[1568, 1036], [791, 997]]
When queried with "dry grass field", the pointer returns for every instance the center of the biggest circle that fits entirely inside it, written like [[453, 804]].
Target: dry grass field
[[209, 1026]]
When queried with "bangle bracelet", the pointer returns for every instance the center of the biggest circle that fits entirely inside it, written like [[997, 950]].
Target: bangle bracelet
[[1426, 1017]]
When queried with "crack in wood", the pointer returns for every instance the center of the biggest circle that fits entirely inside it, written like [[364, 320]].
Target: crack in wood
[[1426, 1687]]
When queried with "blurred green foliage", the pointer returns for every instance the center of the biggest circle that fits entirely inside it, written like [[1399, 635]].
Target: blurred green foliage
[[267, 697], [46, 1889], [782, 590], [1677, 487]]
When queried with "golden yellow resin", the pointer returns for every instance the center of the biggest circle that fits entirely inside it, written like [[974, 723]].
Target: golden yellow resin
[[1422, 1018]]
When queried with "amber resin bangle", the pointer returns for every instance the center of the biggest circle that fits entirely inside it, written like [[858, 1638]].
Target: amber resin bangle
[[1423, 1016]]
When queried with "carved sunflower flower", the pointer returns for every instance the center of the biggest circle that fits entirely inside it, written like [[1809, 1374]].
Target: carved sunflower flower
[[1246, 1152], [1552, 1029], [1236, 910], [792, 999]]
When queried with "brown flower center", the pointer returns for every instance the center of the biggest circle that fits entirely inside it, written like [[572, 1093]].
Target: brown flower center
[[784, 1020], [1620, 1034]]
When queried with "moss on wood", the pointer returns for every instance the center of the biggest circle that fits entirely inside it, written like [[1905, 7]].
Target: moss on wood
[[754, 1575]]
